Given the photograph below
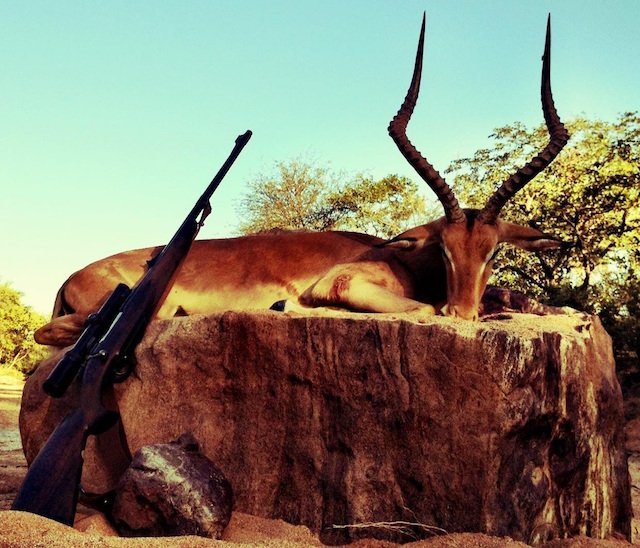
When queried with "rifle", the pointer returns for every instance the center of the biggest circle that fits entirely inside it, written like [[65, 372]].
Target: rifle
[[52, 484]]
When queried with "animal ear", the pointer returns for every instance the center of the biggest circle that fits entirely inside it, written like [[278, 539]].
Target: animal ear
[[415, 238], [528, 238], [405, 244]]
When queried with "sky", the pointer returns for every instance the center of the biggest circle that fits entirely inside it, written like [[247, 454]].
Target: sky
[[116, 115]]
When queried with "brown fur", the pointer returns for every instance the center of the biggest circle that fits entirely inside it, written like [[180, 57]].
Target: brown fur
[[314, 269]]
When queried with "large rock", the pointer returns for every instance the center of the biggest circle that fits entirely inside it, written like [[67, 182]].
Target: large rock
[[510, 427]]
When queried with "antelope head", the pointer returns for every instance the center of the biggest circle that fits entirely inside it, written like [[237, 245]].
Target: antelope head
[[468, 238]]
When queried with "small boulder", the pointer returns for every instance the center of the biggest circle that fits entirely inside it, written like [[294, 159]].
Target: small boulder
[[172, 489]]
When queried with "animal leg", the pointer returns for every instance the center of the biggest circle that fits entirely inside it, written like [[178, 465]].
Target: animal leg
[[61, 331], [289, 305], [369, 297], [353, 290]]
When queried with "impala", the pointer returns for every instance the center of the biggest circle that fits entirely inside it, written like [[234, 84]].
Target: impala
[[439, 267]]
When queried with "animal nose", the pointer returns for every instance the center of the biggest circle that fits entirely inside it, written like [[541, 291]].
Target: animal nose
[[457, 311]]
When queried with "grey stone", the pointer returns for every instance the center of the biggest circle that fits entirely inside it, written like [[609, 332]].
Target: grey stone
[[170, 490]]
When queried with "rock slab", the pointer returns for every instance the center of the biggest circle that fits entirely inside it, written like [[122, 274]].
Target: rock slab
[[510, 428]]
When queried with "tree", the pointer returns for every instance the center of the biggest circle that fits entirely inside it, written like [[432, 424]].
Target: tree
[[293, 198], [303, 196], [589, 198], [18, 350], [384, 208]]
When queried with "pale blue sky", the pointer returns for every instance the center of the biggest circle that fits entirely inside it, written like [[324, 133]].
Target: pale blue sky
[[115, 115]]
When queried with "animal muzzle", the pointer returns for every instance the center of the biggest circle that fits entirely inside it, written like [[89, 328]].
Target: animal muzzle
[[460, 311]]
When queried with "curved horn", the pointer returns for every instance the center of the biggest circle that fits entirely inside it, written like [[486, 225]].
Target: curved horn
[[558, 139], [398, 132]]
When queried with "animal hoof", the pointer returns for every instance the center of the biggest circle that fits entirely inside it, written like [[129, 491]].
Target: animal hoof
[[278, 306], [497, 316]]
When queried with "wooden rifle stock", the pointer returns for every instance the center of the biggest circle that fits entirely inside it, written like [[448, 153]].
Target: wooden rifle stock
[[51, 486]]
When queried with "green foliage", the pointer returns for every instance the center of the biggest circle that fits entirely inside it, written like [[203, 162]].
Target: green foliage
[[589, 197], [383, 208], [293, 198], [302, 196], [18, 350]]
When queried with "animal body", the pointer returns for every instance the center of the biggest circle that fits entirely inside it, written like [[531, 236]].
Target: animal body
[[439, 267]]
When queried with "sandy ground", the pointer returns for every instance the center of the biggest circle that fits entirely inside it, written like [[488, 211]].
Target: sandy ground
[[19, 529], [12, 463]]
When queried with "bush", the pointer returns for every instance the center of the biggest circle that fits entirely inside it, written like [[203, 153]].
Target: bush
[[18, 350]]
